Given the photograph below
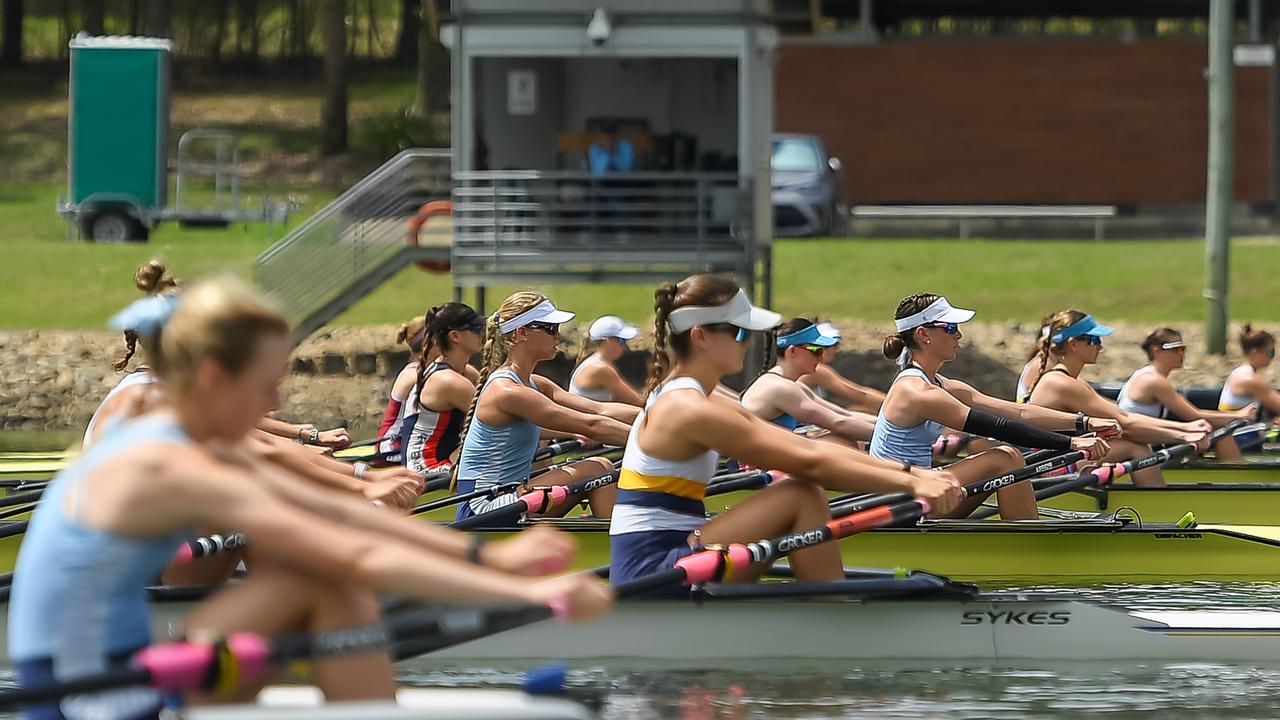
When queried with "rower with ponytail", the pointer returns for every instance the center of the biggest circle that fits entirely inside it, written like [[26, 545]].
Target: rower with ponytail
[[443, 387], [412, 335], [777, 395], [1073, 342], [702, 325], [512, 405], [921, 402]]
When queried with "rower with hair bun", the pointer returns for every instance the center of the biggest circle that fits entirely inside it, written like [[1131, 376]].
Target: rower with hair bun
[[111, 521], [1074, 341], [1247, 384], [921, 402], [1148, 391], [412, 335], [701, 328], [777, 396], [512, 406]]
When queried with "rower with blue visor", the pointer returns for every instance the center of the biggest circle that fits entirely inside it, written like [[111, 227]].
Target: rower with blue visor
[[1074, 341], [777, 395], [921, 402]]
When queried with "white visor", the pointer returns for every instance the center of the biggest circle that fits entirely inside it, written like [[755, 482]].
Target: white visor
[[544, 311], [830, 331], [939, 311], [611, 326], [738, 312]]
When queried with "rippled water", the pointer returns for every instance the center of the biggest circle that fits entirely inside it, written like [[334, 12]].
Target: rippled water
[[808, 690]]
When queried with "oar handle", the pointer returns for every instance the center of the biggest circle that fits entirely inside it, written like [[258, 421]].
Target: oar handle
[[748, 480], [209, 545], [536, 500], [370, 441]]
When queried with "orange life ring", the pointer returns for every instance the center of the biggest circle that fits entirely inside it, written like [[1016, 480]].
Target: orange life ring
[[426, 212]]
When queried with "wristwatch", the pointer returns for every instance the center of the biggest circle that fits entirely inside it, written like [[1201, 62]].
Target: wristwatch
[[1082, 422]]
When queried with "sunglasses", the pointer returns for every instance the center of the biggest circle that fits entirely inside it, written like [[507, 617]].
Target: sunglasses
[[476, 325], [948, 328], [815, 349], [1093, 340], [548, 328], [1271, 353], [740, 334]]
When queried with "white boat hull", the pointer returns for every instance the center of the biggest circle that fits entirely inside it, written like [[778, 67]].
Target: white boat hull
[[293, 702], [724, 633]]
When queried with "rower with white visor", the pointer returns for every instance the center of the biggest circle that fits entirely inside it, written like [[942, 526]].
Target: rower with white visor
[[921, 402], [596, 376]]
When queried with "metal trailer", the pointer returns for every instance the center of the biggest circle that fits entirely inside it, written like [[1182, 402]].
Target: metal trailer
[[118, 148]]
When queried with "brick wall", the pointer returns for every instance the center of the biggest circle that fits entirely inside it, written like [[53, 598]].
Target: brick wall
[[1046, 122]]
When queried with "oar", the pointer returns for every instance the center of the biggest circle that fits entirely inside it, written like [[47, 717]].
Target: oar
[[209, 545], [190, 666], [537, 500], [492, 490], [371, 441], [19, 498], [1106, 473], [988, 486]]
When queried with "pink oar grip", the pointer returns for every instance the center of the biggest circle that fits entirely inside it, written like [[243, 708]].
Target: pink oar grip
[[533, 500], [559, 494], [776, 475], [739, 557], [184, 555], [700, 567], [559, 607], [925, 507], [180, 666], [251, 652]]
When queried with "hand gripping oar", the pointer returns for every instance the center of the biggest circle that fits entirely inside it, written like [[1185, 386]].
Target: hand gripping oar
[[495, 490], [220, 667]]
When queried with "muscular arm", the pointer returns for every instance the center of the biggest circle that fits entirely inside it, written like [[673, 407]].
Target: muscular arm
[[1181, 408], [529, 404], [800, 402], [1037, 415], [618, 411], [1074, 395], [1257, 388], [859, 397]]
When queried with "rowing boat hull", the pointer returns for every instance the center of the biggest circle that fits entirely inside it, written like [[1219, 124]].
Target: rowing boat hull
[[1069, 553], [747, 633], [1236, 504], [289, 702]]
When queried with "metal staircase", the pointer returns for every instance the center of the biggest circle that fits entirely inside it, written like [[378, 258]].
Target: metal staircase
[[359, 240]]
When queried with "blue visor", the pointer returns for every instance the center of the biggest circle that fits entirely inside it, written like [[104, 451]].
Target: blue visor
[[811, 335], [1084, 326]]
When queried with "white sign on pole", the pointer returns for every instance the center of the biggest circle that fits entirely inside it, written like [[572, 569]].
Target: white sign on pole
[[522, 92], [1255, 55]]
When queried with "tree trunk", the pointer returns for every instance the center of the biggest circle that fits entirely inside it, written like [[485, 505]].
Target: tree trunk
[[428, 36], [223, 10], [95, 17], [135, 16], [407, 39], [11, 42], [158, 18], [333, 116]]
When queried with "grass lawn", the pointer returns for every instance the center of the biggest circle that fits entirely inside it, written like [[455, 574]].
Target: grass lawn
[[47, 282]]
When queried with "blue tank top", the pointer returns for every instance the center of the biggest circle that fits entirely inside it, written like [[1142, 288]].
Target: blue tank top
[[498, 454], [906, 444], [79, 594]]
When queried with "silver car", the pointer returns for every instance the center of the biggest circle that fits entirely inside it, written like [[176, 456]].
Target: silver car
[[805, 180]]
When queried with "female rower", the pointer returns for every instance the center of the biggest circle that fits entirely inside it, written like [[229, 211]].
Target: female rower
[[1031, 368], [827, 383], [921, 402], [1149, 392], [700, 332], [1247, 384], [777, 397], [1074, 340], [412, 334], [596, 377], [511, 404], [445, 386], [111, 521]]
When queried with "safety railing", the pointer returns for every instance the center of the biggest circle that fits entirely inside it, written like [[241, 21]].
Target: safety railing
[[574, 226], [358, 240]]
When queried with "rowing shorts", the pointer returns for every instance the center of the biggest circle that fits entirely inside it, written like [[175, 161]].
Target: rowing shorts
[[475, 506], [123, 704], [636, 554]]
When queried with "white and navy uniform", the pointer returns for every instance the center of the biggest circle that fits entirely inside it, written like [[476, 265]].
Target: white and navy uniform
[[1228, 400], [1127, 403], [659, 501], [141, 376], [597, 394], [434, 434]]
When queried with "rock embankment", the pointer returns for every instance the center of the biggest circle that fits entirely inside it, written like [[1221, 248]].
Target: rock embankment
[[55, 379]]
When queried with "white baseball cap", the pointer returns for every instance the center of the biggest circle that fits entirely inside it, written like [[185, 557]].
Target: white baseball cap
[[611, 326], [831, 331]]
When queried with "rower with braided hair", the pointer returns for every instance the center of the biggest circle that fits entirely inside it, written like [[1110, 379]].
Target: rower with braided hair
[[512, 405], [920, 402], [1074, 341], [412, 335], [444, 386]]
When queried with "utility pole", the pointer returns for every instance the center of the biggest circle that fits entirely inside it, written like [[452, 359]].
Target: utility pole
[[1218, 200]]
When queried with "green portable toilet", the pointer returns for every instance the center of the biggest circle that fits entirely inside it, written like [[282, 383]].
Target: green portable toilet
[[118, 131]]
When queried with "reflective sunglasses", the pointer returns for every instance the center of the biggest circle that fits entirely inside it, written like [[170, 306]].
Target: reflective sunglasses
[[948, 328], [548, 328], [1271, 353], [1094, 340], [475, 325], [740, 334], [815, 349]]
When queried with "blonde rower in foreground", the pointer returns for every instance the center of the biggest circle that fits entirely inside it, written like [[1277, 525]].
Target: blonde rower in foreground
[[109, 524], [700, 331]]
